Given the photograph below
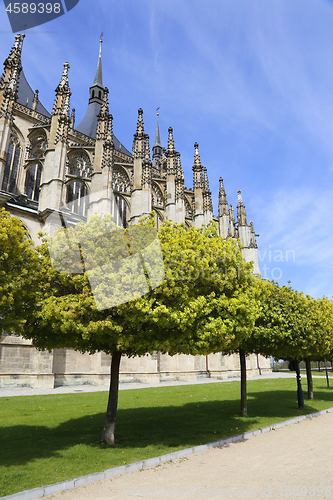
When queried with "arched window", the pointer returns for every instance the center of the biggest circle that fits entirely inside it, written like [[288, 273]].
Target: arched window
[[188, 209], [158, 219], [32, 182], [120, 211], [99, 94], [77, 198], [157, 196], [38, 148], [93, 94], [79, 165], [12, 163], [120, 181]]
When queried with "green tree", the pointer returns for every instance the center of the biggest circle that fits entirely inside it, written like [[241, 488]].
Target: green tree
[[18, 270], [203, 302], [320, 334], [291, 325]]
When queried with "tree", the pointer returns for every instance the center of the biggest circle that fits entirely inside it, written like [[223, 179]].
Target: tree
[[320, 326], [202, 301], [18, 269], [291, 325]]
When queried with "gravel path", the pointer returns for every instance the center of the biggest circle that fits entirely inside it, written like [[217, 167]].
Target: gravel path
[[292, 462]]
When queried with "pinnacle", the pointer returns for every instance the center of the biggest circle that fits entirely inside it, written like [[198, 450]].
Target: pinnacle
[[171, 144], [197, 161]]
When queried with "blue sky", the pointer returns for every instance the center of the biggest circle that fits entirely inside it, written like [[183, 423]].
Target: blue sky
[[250, 81]]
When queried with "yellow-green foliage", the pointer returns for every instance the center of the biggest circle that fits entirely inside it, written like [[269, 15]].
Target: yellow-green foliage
[[291, 324], [18, 271], [205, 303]]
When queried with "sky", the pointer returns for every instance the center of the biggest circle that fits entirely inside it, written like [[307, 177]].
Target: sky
[[250, 81]]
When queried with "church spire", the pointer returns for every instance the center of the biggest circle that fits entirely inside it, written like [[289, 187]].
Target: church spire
[[98, 74], [97, 88], [157, 148]]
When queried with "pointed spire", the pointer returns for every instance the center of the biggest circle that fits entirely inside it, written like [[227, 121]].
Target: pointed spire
[[180, 173], [13, 60], [223, 204], [140, 124], [157, 148], [63, 86], [179, 180], [139, 137], [171, 154], [171, 144], [241, 214], [14, 57], [157, 131], [98, 75], [207, 195], [197, 168], [197, 160]]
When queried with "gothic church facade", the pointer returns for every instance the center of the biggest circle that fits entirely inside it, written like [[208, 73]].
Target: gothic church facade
[[48, 165]]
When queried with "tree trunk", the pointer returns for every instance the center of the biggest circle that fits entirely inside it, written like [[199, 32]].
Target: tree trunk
[[242, 357], [111, 412], [309, 378]]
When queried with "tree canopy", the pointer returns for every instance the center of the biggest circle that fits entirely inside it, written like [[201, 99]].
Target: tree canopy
[[199, 301], [18, 270]]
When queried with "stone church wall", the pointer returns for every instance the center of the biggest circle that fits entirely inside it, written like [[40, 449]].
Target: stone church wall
[[21, 364]]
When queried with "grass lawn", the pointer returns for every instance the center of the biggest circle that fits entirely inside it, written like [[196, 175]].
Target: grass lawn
[[46, 439]]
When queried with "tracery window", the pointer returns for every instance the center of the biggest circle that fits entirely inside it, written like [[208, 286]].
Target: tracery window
[[32, 181], [120, 211], [157, 196], [120, 182], [79, 165], [38, 148], [158, 220], [77, 198], [12, 164], [188, 209]]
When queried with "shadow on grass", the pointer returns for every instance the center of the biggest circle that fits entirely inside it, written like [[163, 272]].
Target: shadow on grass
[[173, 427]]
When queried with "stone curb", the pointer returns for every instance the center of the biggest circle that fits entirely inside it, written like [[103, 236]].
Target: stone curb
[[150, 462]]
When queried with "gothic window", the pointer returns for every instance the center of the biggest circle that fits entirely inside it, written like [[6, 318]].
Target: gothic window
[[120, 211], [158, 220], [188, 209], [79, 165], [120, 182], [32, 181], [99, 94], [77, 198], [12, 163], [38, 149], [157, 196]]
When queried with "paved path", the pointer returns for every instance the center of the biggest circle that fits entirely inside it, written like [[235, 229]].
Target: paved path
[[293, 462], [28, 391]]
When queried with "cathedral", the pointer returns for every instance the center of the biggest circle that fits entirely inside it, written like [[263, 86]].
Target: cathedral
[[49, 165]]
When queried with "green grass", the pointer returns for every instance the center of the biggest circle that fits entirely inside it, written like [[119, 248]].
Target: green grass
[[46, 439]]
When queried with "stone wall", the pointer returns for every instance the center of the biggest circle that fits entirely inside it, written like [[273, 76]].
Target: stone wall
[[21, 364]]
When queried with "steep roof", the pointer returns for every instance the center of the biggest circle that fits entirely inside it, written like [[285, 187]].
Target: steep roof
[[26, 95]]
